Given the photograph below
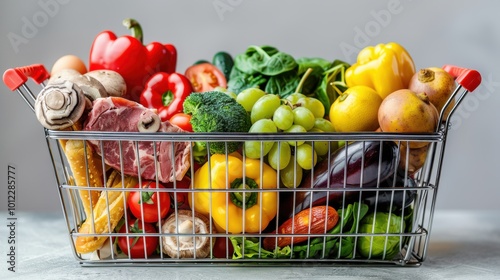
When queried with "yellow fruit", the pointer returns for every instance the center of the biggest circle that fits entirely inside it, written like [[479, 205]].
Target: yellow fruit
[[356, 110]]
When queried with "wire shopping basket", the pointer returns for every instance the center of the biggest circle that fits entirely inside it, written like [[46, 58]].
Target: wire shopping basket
[[369, 198]]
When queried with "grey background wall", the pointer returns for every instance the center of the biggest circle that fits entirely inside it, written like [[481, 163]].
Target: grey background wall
[[465, 33]]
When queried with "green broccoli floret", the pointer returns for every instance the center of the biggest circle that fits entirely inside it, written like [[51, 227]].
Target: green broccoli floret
[[215, 111]]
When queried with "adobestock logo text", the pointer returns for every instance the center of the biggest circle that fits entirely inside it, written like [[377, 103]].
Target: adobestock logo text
[[363, 35], [31, 25]]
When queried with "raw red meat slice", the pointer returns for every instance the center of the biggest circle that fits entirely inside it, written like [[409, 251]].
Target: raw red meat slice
[[138, 157]]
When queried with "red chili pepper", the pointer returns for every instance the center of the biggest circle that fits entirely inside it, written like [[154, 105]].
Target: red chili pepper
[[130, 58], [166, 93]]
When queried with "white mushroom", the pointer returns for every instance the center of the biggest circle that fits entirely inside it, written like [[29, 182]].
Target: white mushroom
[[112, 81], [59, 105], [64, 74], [91, 87], [190, 239], [148, 122], [106, 251]]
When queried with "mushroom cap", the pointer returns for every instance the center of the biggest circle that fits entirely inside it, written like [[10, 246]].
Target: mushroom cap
[[60, 104], [181, 246], [64, 74], [112, 81], [92, 88]]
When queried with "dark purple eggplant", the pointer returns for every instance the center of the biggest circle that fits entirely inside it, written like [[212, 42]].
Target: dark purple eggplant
[[356, 165], [395, 199]]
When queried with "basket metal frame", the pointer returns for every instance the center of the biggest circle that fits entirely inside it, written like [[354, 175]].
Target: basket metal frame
[[412, 254]]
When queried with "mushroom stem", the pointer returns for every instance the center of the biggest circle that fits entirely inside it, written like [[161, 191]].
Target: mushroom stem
[[148, 122], [187, 223], [184, 228], [55, 100]]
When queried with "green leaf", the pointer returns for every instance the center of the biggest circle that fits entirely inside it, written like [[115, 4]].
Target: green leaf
[[334, 247], [380, 245], [242, 63], [253, 250], [147, 197], [238, 81], [257, 58], [314, 62], [359, 211], [269, 50], [277, 64], [283, 84]]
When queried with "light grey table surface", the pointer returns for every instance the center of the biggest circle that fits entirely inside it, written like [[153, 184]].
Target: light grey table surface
[[464, 245]]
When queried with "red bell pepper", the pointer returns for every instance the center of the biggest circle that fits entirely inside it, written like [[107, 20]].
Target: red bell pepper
[[166, 93], [130, 58]]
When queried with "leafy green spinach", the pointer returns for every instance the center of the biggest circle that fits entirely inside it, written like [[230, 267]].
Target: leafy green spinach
[[238, 81], [264, 60], [257, 65], [283, 84], [249, 248], [279, 73], [277, 64], [333, 246]]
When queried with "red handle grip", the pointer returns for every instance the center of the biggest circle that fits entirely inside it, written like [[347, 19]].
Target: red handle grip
[[15, 77], [467, 78]]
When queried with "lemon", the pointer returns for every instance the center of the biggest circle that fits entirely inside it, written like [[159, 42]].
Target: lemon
[[356, 110]]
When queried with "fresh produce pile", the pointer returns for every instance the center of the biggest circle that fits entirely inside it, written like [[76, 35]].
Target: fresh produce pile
[[296, 196]]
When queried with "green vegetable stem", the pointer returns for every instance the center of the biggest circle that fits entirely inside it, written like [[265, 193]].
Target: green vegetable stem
[[332, 84]]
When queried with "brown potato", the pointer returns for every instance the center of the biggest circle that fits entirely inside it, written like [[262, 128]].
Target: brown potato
[[416, 158]]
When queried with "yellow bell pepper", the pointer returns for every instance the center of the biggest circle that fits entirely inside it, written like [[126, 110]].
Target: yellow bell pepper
[[235, 212], [384, 67]]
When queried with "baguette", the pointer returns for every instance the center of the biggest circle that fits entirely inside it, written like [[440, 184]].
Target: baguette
[[100, 224], [62, 105], [82, 159]]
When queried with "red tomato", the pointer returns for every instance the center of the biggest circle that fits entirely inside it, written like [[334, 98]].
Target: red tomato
[[178, 197], [183, 121], [138, 243], [147, 202], [205, 77], [222, 246]]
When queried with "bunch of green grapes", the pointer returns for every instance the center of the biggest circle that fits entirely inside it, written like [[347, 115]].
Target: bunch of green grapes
[[296, 113]]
